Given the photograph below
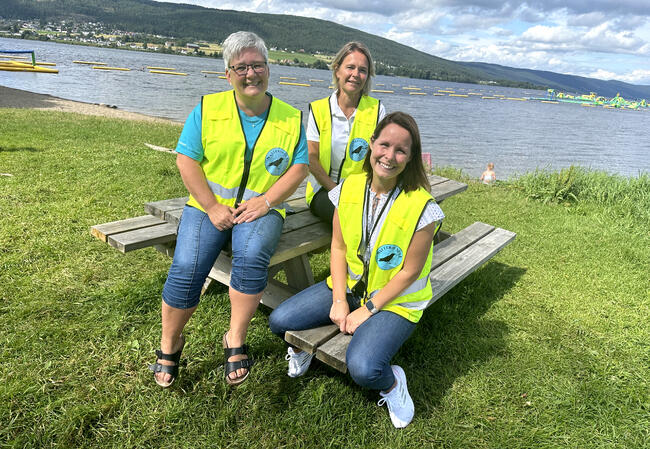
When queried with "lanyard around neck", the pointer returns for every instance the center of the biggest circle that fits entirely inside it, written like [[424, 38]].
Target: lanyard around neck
[[371, 225]]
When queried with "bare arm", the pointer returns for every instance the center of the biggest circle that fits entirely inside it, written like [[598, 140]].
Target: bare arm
[[316, 168], [339, 270], [416, 257], [194, 179], [283, 188]]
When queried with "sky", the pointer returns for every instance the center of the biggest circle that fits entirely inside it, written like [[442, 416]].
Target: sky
[[605, 39]]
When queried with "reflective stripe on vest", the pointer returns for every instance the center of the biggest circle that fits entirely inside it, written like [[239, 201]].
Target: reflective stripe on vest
[[389, 251], [229, 176], [365, 122]]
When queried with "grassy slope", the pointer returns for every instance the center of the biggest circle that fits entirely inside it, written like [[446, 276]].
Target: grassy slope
[[545, 346]]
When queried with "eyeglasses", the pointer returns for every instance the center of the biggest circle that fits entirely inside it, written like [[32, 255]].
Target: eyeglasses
[[242, 69]]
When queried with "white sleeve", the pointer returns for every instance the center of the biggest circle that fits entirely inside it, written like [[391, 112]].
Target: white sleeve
[[312, 129], [335, 194], [382, 111], [432, 212]]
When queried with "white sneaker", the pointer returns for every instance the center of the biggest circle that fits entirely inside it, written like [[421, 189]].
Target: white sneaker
[[399, 402], [298, 362]]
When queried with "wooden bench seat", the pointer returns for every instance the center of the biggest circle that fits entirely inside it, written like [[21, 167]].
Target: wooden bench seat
[[453, 260]]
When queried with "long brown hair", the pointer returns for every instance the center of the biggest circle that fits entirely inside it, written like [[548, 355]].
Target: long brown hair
[[414, 175]]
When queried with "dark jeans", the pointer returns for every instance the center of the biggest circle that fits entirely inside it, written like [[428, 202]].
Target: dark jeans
[[322, 207], [373, 344]]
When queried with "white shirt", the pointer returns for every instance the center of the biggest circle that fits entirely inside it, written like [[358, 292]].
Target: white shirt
[[341, 127]]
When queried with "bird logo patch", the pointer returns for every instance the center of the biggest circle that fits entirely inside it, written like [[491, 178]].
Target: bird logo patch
[[389, 257], [358, 149], [276, 161]]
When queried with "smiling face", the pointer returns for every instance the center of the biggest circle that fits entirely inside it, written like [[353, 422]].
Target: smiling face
[[390, 153], [352, 74], [252, 84]]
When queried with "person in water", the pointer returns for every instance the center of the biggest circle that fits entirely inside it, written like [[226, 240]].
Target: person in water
[[488, 176], [382, 242]]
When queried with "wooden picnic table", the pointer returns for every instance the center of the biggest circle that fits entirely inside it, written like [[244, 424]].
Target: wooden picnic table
[[455, 256], [302, 234]]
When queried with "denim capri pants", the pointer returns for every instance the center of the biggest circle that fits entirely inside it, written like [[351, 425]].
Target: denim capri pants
[[198, 245]]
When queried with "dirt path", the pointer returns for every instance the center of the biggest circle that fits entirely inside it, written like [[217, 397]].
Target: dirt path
[[15, 98]]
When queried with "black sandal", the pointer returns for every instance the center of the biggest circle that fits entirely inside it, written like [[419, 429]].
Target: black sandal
[[168, 369], [229, 367]]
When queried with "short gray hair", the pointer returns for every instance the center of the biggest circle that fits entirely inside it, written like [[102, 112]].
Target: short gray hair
[[340, 56], [240, 41]]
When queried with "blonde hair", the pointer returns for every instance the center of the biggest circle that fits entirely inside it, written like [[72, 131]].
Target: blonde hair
[[340, 56]]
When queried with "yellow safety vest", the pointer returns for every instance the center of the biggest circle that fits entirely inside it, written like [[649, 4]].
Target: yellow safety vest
[[388, 254], [231, 178], [365, 122]]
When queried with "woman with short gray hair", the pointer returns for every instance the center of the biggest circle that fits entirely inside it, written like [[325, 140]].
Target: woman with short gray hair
[[238, 173]]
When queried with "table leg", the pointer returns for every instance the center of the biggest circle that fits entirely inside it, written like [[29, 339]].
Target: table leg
[[298, 271]]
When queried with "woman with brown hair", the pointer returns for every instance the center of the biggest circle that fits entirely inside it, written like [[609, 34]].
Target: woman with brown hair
[[382, 243]]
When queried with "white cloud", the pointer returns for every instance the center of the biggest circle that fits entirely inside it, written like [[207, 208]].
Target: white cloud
[[638, 76], [546, 34], [601, 38], [602, 74], [419, 21]]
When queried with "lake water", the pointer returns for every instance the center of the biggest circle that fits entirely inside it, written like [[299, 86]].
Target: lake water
[[463, 132]]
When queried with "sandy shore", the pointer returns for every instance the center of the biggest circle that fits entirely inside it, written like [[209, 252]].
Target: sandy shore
[[15, 98]]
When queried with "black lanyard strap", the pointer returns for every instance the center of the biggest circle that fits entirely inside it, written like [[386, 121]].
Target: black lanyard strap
[[361, 288], [371, 225]]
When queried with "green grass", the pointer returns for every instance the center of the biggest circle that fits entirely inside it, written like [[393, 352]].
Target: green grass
[[545, 346], [302, 57], [622, 196]]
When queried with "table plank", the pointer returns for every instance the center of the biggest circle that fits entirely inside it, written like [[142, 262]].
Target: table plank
[[142, 238], [158, 208], [299, 220], [302, 241], [446, 189], [310, 339], [441, 188], [333, 351], [447, 275], [456, 243], [102, 231]]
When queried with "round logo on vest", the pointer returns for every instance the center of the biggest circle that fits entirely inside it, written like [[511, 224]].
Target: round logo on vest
[[389, 257], [276, 161], [358, 149]]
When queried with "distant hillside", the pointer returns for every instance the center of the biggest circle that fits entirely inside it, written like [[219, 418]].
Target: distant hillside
[[296, 33], [213, 25], [558, 81]]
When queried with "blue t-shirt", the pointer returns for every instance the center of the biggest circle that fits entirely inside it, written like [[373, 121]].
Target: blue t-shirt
[[190, 144]]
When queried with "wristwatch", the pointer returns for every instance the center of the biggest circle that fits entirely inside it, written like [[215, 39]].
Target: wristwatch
[[371, 307]]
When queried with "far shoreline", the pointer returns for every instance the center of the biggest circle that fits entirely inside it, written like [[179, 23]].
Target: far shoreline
[[23, 99]]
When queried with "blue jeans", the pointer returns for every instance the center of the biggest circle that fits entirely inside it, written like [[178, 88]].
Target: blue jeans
[[373, 344], [198, 245]]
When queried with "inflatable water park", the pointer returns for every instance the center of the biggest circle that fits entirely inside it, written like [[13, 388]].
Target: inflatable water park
[[590, 100], [12, 63]]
